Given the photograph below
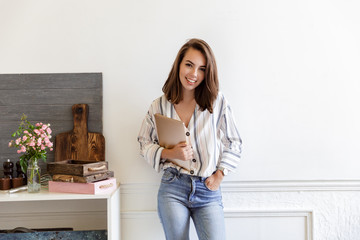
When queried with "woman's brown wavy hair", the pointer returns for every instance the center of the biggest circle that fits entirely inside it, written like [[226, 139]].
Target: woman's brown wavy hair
[[207, 91]]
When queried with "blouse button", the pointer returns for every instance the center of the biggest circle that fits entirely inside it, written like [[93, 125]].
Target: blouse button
[[194, 160], [191, 171], [187, 134]]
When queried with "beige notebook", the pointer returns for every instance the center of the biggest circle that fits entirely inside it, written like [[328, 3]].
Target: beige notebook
[[171, 132]]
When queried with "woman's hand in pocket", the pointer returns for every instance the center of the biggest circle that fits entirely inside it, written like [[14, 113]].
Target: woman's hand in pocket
[[213, 182]]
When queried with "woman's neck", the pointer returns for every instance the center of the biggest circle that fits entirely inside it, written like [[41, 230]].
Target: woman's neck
[[188, 96]]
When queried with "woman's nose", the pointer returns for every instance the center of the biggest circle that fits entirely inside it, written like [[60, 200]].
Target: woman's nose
[[194, 72]]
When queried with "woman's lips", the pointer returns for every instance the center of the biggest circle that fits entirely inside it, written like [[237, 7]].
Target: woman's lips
[[191, 81]]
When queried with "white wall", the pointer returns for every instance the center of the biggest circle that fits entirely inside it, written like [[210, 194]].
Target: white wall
[[289, 68]]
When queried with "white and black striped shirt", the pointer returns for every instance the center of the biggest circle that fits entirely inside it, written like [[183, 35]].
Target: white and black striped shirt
[[214, 137]]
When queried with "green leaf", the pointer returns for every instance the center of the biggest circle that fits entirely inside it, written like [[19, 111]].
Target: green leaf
[[23, 164]]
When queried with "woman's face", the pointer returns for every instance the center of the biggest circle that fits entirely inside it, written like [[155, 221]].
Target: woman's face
[[192, 69]]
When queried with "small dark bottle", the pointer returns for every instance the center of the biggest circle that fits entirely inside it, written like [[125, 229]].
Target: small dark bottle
[[8, 169], [20, 173]]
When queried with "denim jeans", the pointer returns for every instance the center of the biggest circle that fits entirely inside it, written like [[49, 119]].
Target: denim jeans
[[183, 196]]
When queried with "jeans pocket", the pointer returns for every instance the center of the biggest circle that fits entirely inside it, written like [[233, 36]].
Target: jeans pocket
[[168, 176], [207, 188]]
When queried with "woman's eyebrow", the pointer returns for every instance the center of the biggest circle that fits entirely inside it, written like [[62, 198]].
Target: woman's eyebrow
[[193, 63]]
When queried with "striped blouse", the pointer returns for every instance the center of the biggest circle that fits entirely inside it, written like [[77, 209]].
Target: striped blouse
[[214, 138]]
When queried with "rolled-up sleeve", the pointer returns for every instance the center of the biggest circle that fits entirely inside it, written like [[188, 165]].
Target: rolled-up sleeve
[[230, 140], [147, 138]]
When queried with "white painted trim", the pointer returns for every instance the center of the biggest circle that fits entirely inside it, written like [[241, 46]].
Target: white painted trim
[[52, 215], [114, 219], [79, 220], [261, 186], [307, 214], [234, 213], [291, 185]]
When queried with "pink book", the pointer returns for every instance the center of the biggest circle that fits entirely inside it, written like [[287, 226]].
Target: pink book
[[100, 187]]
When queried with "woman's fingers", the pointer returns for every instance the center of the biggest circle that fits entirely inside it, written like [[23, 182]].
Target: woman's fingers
[[184, 151]]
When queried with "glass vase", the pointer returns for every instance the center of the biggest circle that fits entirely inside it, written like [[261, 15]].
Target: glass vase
[[33, 176]]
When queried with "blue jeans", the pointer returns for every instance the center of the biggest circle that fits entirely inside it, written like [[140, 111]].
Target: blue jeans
[[183, 196]]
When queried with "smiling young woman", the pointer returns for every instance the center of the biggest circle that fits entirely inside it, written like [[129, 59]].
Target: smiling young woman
[[191, 94], [207, 92]]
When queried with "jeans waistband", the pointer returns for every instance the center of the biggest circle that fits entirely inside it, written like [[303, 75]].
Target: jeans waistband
[[178, 174]]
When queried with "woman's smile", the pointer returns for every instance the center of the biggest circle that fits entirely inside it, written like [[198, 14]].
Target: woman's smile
[[191, 81]]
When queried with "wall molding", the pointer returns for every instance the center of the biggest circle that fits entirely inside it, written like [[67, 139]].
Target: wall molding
[[261, 186], [291, 185], [234, 213], [307, 214], [323, 203]]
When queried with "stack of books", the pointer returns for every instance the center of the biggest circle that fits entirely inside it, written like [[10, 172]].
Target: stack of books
[[72, 176]]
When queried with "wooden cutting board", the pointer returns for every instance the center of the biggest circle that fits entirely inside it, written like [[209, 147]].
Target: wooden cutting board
[[79, 144]]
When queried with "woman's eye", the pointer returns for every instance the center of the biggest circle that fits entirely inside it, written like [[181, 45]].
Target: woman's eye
[[202, 69], [188, 64]]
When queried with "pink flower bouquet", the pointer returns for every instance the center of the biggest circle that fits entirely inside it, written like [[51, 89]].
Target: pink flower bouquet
[[32, 142]]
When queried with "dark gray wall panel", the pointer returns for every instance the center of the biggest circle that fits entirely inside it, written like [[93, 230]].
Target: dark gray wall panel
[[46, 98]]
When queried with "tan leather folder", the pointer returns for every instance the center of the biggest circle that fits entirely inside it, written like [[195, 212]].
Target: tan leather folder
[[171, 132]]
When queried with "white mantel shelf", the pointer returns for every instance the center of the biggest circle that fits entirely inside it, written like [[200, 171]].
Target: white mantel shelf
[[45, 195], [112, 202]]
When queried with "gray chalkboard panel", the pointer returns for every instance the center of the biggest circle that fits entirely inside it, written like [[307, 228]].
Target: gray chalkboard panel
[[46, 98]]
